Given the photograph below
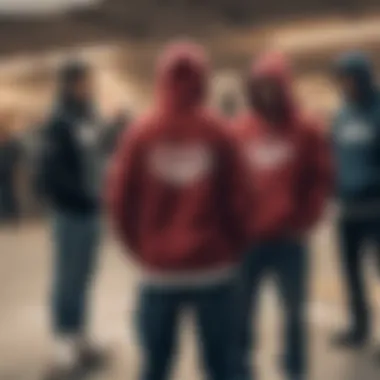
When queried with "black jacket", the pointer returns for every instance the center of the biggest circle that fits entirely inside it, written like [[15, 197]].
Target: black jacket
[[70, 165]]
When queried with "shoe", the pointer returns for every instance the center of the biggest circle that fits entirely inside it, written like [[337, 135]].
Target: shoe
[[65, 365], [350, 339], [63, 373], [92, 358]]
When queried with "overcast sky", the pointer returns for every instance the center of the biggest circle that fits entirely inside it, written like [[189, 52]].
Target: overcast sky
[[38, 6]]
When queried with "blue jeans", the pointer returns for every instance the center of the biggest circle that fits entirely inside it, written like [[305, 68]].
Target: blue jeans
[[76, 241], [354, 234], [286, 261], [158, 320]]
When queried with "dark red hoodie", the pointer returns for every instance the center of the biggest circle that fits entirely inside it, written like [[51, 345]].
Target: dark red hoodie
[[178, 192], [290, 159]]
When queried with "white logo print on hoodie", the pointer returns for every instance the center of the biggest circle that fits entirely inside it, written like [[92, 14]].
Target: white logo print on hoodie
[[182, 165], [356, 133], [269, 155]]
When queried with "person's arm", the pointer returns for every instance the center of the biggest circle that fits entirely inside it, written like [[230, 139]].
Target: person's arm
[[123, 189], [238, 192], [318, 179]]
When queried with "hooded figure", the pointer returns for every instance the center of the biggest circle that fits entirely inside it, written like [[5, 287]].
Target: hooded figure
[[286, 150], [356, 142], [289, 161], [357, 75], [179, 200], [356, 134], [69, 177]]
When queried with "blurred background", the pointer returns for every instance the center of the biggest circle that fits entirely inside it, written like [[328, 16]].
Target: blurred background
[[120, 39]]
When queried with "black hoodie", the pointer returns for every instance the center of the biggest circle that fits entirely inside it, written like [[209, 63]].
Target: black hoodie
[[70, 165]]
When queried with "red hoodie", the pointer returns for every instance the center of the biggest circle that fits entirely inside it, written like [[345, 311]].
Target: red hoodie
[[290, 161], [178, 192]]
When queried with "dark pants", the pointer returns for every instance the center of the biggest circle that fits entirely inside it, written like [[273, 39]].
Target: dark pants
[[159, 314], [8, 201], [354, 234], [76, 243], [286, 261]]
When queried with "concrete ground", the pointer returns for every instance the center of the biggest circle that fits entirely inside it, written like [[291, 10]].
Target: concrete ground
[[25, 341]]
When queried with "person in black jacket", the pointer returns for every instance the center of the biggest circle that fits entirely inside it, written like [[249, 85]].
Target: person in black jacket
[[70, 179], [355, 140], [9, 163]]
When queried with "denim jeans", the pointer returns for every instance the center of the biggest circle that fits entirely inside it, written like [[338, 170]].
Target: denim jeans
[[8, 202], [286, 262], [76, 241], [354, 235], [158, 320]]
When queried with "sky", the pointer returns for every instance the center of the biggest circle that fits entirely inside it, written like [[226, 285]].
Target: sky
[[40, 6]]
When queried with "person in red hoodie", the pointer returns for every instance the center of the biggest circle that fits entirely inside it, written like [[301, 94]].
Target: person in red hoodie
[[181, 202], [290, 162]]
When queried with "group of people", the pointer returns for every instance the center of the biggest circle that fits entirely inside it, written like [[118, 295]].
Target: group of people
[[209, 207]]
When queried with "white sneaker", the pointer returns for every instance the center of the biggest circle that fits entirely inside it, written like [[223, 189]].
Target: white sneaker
[[65, 363], [91, 356]]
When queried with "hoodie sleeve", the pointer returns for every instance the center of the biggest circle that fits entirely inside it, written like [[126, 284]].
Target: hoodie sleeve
[[237, 191], [318, 179], [122, 190]]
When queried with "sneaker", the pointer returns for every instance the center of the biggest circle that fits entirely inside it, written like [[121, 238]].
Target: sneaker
[[63, 373], [92, 358], [65, 364], [350, 339]]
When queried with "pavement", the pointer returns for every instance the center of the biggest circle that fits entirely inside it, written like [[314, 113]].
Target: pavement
[[25, 339]]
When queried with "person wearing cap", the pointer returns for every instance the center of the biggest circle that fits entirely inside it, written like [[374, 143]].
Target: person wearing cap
[[70, 179]]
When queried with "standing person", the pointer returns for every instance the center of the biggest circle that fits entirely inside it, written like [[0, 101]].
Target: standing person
[[290, 162], [179, 200], [70, 179], [9, 164], [356, 140]]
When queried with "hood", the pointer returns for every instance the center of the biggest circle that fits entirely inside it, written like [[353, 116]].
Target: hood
[[275, 69], [358, 66], [182, 73]]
